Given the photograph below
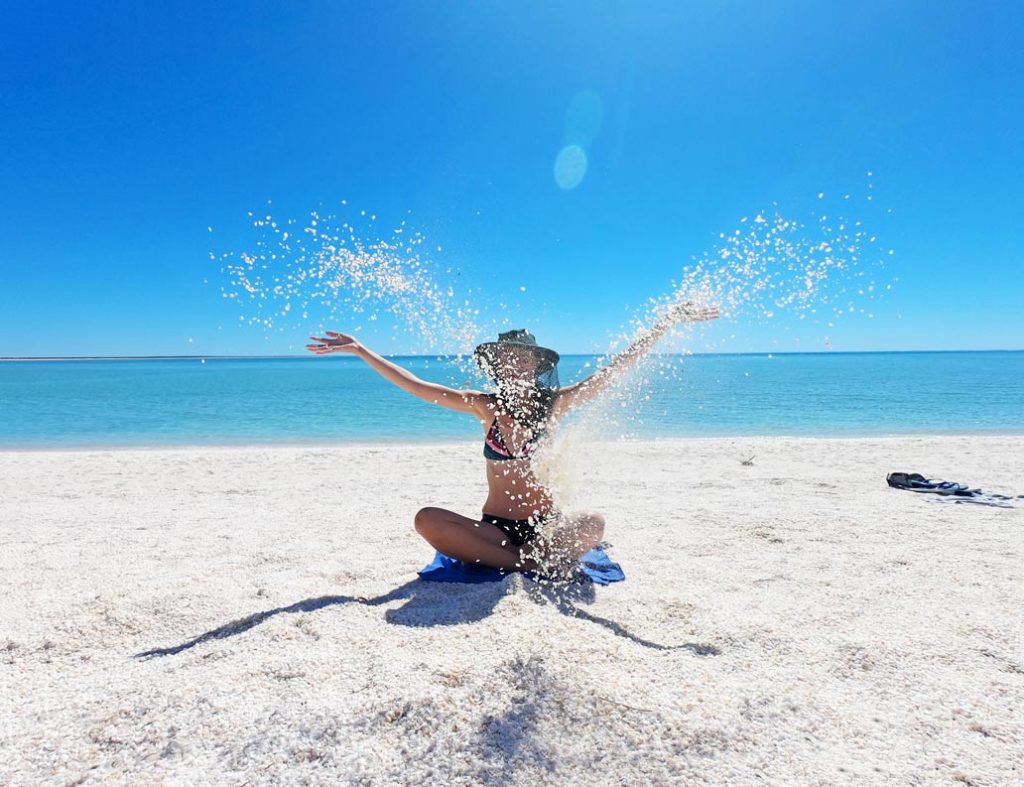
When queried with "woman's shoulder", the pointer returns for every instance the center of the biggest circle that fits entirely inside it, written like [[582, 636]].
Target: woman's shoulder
[[486, 405]]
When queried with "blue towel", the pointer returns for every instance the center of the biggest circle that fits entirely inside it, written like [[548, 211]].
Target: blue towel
[[595, 566]]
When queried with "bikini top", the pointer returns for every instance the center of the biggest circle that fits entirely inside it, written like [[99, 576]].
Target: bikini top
[[495, 448]]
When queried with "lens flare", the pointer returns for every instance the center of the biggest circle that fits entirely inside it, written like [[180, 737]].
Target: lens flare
[[570, 167]]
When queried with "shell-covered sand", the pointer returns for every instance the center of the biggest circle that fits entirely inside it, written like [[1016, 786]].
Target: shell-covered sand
[[793, 622]]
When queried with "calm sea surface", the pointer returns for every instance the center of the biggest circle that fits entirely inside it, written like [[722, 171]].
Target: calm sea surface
[[301, 400]]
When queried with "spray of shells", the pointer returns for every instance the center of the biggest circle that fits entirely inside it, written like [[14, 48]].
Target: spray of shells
[[821, 269]]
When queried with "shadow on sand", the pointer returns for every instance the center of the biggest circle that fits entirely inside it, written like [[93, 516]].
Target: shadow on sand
[[439, 604]]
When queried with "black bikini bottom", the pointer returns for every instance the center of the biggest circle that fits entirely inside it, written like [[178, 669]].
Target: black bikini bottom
[[519, 531]]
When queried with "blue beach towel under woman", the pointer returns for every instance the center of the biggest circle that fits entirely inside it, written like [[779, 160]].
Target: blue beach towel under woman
[[595, 566]]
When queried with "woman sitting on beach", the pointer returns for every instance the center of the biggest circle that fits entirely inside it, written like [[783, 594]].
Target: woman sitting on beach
[[527, 405]]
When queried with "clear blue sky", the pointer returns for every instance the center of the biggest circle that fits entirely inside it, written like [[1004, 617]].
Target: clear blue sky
[[128, 128]]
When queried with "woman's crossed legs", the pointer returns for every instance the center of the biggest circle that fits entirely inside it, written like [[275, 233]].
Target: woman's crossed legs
[[473, 541]]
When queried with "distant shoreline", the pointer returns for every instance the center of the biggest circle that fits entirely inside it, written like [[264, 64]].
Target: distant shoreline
[[30, 358], [52, 358], [426, 442]]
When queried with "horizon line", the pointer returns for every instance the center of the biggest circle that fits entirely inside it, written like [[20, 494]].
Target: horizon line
[[44, 358]]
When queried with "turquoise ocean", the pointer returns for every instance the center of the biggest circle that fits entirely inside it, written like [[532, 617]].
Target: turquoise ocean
[[108, 403]]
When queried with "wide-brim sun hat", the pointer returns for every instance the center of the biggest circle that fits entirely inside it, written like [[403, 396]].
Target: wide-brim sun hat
[[517, 339]]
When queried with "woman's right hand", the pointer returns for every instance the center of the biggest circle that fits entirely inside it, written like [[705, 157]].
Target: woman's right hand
[[334, 342], [691, 311]]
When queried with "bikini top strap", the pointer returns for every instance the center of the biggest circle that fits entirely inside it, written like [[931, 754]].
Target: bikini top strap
[[494, 436]]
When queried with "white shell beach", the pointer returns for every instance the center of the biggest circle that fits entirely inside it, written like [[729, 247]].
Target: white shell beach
[[790, 622]]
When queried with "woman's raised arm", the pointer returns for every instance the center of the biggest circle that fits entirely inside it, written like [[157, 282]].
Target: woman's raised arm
[[435, 393], [582, 392]]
